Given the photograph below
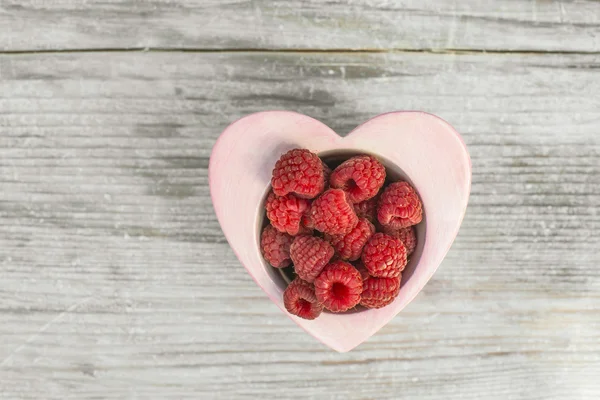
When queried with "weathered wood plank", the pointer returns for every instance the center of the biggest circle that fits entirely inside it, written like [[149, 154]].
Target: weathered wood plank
[[116, 282], [549, 25]]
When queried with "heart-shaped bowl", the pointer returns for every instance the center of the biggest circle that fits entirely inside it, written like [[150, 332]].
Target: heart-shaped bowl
[[414, 146]]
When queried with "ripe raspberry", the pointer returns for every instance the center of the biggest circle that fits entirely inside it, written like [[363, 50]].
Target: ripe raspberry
[[379, 292], [350, 245], [275, 247], [339, 286], [399, 206], [361, 177], [384, 256], [364, 274], [326, 175], [367, 209], [306, 222], [300, 172], [299, 299], [310, 255], [286, 211], [333, 213], [407, 235]]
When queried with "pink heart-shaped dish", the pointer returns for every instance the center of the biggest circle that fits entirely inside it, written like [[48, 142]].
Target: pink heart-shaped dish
[[414, 145]]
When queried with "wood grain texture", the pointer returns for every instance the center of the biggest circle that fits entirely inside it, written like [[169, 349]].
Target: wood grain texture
[[116, 282], [538, 25]]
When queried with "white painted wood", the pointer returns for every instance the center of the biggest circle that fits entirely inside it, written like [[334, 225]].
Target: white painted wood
[[116, 282], [539, 25]]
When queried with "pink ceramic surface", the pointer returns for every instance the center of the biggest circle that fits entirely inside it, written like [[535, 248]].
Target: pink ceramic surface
[[424, 147]]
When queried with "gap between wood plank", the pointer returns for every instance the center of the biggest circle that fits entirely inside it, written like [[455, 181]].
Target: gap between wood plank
[[300, 51]]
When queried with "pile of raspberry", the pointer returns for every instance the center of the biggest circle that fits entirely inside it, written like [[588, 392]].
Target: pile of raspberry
[[348, 232]]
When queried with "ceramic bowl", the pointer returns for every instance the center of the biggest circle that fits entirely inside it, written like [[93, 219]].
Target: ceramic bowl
[[415, 146]]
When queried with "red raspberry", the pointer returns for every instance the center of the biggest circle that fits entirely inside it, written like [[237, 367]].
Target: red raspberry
[[299, 299], [367, 209], [361, 177], [306, 222], [326, 175], [384, 256], [364, 274], [407, 235], [350, 245], [300, 172], [333, 213], [285, 212], [339, 286], [399, 206], [379, 292], [310, 255], [275, 247]]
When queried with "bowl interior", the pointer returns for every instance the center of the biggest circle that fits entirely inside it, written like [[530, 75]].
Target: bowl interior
[[281, 277]]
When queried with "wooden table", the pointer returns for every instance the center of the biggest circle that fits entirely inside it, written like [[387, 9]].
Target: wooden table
[[117, 283]]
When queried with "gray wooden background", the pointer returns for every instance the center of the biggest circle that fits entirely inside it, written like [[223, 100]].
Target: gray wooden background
[[117, 283]]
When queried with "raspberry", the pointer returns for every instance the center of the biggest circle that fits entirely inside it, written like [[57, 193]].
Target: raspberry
[[286, 211], [306, 222], [310, 255], [339, 286], [300, 172], [367, 209], [299, 299], [350, 245], [326, 175], [361, 177], [333, 213], [399, 206], [407, 235], [364, 274], [275, 247], [384, 256], [379, 292]]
